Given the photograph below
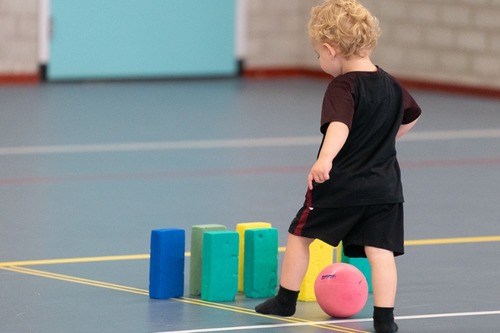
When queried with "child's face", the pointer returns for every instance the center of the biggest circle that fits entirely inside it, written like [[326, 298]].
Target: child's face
[[329, 58]]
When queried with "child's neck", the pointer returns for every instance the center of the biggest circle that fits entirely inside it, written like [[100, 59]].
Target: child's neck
[[358, 64]]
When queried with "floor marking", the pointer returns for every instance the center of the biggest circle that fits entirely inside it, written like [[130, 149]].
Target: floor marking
[[153, 175], [228, 172], [450, 163], [450, 315], [74, 260], [417, 242], [73, 279], [292, 321], [270, 326], [166, 145], [112, 286], [462, 240], [452, 135], [232, 143], [242, 328], [227, 307]]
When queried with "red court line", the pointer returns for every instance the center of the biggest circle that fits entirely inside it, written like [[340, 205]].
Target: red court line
[[151, 175], [408, 82], [19, 79], [228, 172], [450, 163]]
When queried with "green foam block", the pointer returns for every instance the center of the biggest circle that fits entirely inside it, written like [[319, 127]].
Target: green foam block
[[219, 277], [196, 255], [261, 262]]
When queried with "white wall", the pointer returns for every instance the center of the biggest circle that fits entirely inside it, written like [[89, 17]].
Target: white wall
[[43, 31]]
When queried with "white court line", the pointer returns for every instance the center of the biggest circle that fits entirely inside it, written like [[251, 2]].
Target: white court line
[[335, 322], [231, 143], [166, 145]]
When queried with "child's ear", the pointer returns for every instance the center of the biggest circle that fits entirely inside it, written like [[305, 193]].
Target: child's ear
[[331, 50]]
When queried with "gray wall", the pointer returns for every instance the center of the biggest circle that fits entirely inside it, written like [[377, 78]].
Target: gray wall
[[18, 36], [449, 41]]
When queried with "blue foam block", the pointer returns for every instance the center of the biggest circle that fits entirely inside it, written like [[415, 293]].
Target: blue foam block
[[166, 265]]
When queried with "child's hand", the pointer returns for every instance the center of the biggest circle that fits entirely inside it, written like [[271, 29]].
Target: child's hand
[[336, 136], [320, 172]]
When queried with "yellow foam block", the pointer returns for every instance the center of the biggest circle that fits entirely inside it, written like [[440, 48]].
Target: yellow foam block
[[240, 229], [320, 256]]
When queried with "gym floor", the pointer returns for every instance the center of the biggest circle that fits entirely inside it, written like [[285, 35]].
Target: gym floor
[[89, 169]]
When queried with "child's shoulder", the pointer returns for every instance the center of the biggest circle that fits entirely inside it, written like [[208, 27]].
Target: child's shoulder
[[341, 83], [349, 79]]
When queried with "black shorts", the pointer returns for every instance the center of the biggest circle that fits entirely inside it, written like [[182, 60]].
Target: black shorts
[[379, 226]]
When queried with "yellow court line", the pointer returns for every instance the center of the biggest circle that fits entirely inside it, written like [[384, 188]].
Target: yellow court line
[[461, 240], [78, 260], [16, 267], [438, 241], [74, 260], [226, 307], [68, 278], [252, 312]]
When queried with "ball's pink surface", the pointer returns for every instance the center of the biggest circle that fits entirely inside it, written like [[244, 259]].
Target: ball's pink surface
[[341, 290]]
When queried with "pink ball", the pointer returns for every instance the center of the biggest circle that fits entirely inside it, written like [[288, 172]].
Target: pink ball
[[341, 290]]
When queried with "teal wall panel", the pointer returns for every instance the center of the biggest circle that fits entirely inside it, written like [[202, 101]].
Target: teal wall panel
[[100, 39]]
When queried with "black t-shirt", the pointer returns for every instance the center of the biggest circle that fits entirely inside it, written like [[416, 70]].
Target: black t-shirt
[[365, 171]]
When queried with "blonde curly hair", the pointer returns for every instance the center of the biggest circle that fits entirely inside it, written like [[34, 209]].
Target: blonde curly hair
[[345, 24]]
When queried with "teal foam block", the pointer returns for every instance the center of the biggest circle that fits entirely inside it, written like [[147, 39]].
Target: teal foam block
[[166, 265], [261, 263], [219, 277], [196, 255], [363, 265]]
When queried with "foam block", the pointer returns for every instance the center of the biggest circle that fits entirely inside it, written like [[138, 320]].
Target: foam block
[[320, 256], [261, 262], [166, 265], [219, 277], [240, 229], [195, 262], [363, 265]]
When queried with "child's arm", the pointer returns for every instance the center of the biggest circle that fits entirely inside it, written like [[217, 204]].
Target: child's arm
[[336, 136], [405, 128]]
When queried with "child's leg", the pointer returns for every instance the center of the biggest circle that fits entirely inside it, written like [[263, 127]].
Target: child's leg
[[294, 267], [384, 276], [384, 283], [295, 262]]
